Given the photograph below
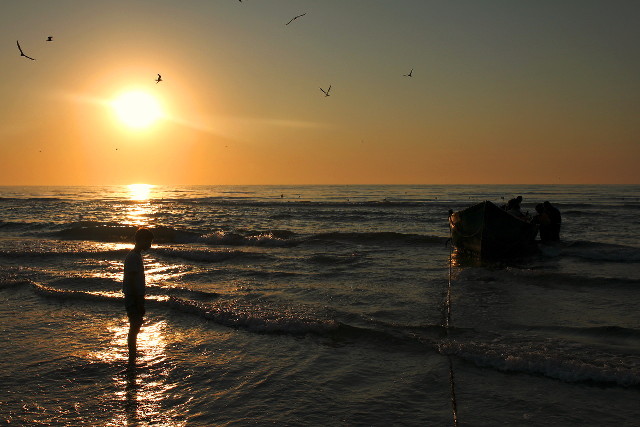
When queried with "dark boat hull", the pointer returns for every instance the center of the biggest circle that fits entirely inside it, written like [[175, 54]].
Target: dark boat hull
[[490, 232]]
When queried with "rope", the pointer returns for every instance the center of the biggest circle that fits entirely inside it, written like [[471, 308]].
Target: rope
[[447, 322]]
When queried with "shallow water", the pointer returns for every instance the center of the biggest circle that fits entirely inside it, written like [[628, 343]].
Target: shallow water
[[315, 305]]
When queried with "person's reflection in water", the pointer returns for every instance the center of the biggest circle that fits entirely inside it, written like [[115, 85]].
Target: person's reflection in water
[[133, 287], [131, 397]]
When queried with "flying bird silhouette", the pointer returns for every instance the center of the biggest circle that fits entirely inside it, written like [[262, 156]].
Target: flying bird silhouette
[[22, 53], [50, 39], [294, 18], [159, 79], [326, 92], [410, 74]]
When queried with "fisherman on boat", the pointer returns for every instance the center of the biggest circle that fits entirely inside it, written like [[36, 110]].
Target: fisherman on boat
[[513, 208], [490, 232]]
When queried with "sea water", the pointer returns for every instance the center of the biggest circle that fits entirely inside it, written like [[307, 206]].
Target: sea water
[[315, 305]]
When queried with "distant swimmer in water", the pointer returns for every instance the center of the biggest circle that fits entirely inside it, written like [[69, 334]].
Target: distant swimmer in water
[[159, 79], [133, 286]]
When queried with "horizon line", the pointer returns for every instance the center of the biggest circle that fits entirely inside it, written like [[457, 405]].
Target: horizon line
[[316, 185]]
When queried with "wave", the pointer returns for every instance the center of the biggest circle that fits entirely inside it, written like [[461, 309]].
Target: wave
[[263, 319], [247, 313], [285, 238], [551, 363], [22, 226], [327, 259], [14, 283], [270, 238], [602, 251], [31, 199], [582, 213], [254, 316], [117, 233], [68, 294], [608, 334], [203, 255], [114, 253], [564, 362], [251, 202], [542, 278], [381, 237], [109, 232], [114, 232]]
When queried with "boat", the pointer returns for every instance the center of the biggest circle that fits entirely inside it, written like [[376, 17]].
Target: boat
[[487, 231]]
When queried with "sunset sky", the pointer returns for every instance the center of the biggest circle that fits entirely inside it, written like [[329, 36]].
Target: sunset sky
[[539, 91]]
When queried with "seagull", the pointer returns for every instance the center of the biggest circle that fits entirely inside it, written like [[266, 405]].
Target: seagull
[[326, 92], [294, 18], [159, 79], [49, 39], [22, 53], [410, 73]]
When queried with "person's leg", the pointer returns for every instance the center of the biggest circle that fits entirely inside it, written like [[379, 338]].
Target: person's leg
[[132, 338]]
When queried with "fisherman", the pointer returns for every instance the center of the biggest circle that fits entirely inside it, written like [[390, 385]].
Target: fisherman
[[516, 201], [542, 220], [555, 220], [513, 208]]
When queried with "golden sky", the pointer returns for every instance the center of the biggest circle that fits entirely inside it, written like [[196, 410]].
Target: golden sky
[[514, 92]]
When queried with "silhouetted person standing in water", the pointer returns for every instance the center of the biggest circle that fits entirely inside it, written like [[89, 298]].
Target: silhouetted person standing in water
[[133, 287], [556, 220]]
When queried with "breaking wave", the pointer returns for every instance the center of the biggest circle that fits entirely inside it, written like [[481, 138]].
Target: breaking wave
[[121, 233], [270, 238], [251, 314]]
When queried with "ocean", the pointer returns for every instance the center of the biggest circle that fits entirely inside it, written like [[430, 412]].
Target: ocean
[[314, 306]]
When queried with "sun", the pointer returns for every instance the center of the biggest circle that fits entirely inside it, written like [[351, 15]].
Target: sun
[[137, 109]]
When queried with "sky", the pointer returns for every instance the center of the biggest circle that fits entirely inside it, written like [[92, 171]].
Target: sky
[[501, 92]]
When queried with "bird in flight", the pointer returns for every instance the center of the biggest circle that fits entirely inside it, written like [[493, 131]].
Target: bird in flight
[[410, 74], [22, 53], [326, 92], [159, 79], [50, 39], [294, 18]]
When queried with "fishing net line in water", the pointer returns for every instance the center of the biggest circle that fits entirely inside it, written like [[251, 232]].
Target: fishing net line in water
[[446, 315]]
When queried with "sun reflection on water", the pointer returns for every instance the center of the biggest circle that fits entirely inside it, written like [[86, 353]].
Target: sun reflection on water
[[151, 343], [140, 192], [142, 389], [138, 214]]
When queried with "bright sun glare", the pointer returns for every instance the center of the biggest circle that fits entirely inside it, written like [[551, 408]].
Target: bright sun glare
[[137, 109], [139, 192]]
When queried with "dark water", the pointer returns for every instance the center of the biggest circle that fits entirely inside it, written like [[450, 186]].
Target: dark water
[[317, 305]]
